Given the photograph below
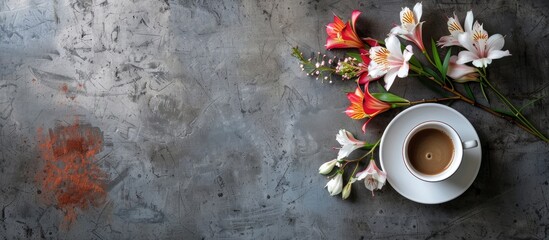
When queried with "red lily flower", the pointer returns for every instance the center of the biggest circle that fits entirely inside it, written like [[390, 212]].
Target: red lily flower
[[365, 105], [343, 35]]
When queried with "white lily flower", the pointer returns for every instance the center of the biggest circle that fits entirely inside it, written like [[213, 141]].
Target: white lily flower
[[481, 49], [390, 61], [455, 30], [335, 185], [327, 167], [348, 143], [411, 26], [374, 178]]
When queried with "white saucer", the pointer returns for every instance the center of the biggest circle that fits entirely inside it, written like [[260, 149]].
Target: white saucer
[[402, 180]]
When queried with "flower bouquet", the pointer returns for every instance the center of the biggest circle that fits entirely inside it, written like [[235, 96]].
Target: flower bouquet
[[461, 57]]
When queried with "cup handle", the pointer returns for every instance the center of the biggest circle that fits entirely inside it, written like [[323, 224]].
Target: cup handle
[[470, 144]]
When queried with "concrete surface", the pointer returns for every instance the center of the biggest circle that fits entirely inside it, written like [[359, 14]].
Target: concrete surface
[[205, 128]]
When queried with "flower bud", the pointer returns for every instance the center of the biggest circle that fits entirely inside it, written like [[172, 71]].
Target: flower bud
[[327, 167], [347, 189], [335, 185]]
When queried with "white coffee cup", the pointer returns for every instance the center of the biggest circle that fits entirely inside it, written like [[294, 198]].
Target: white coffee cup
[[458, 147]]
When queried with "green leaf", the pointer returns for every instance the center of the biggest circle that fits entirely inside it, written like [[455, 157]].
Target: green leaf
[[415, 62], [435, 88], [309, 67], [355, 56], [297, 54], [380, 87], [469, 92], [530, 103], [435, 55], [433, 74], [484, 93], [446, 63], [389, 97], [449, 82]]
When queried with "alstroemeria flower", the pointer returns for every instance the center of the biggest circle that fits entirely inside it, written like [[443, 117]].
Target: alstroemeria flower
[[327, 167], [348, 143], [390, 61], [343, 35], [455, 30], [335, 185], [374, 178], [460, 72], [481, 49], [365, 105], [411, 27]]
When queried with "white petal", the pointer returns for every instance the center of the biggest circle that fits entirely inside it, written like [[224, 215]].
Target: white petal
[[352, 139], [376, 71], [393, 45], [418, 11], [457, 71], [447, 41], [483, 62], [497, 54], [479, 34], [361, 175], [408, 53], [380, 182], [342, 137], [390, 77], [469, 21], [345, 150], [466, 40], [403, 70], [373, 51], [495, 42], [453, 25], [370, 185], [397, 30], [465, 57], [402, 12]]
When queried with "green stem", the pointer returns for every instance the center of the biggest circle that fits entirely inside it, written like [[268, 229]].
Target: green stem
[[354, 171], [366, 154], [434, 100], [510, 105], [485, 108], [428, 58]]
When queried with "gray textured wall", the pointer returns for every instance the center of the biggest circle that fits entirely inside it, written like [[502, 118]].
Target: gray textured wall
[[211, 131]]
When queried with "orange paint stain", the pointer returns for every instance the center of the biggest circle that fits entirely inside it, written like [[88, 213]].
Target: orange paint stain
[[70, 178]]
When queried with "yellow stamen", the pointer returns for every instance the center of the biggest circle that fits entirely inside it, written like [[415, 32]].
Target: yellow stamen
[[408, 17], [454, 26], [479, 35], [381, 57]]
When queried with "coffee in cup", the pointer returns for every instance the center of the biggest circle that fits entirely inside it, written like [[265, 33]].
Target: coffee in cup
[[433, 151]]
